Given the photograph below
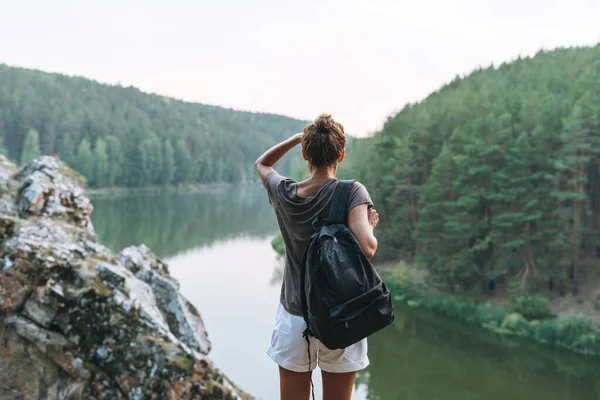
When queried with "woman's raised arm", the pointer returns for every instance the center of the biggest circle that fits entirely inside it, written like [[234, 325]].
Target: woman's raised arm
[[264, 164]]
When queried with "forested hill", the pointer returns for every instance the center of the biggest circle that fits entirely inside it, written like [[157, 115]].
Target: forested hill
[[121, 136], [496, 176]]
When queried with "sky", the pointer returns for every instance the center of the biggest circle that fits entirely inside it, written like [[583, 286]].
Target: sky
[[361, 61]]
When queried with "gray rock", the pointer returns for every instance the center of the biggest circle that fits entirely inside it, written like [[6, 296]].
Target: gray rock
[[49, 188], [45, 340], [41, 314], [7, 205], [78, 321], [184, 321], [137, 258], [7, 169]]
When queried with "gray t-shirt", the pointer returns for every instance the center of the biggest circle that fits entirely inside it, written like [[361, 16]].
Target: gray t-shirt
[[295, 215]]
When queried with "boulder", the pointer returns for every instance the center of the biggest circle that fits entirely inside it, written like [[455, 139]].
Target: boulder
[[79, 322]]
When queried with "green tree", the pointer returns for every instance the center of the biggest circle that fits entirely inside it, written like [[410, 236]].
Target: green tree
[[168, 171], [66, 147], [31, 147], [3, 149], [136, 165], [101, 164], [580, 153], [84, 160], [154, 160], [204, 168], [115, 160], [184, 163]]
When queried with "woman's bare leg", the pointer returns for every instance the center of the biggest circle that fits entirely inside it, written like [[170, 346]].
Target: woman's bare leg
[[337, 386], [294, 385]]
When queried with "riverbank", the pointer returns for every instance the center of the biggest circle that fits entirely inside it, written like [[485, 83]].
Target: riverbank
[[96, 193], [570, 330]]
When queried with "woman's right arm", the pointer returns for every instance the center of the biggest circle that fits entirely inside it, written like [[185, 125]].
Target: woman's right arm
[[264, 164], [361, 222]]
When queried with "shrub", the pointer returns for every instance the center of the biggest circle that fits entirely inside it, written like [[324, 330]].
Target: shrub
[[530, 307], [403, 276], [516, 323], [490, 316], [571, 331], [571, 326]]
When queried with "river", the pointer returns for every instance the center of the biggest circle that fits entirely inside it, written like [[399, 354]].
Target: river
[[217, 245]]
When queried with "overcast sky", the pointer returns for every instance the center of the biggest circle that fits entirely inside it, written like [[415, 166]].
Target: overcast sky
[[359, 60]]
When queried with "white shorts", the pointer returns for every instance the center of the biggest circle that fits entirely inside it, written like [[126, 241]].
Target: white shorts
[[289, 349]]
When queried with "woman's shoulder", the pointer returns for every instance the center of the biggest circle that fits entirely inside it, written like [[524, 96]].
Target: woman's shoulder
[[357, 186], [279, 186], [274, 178], [358, 195]]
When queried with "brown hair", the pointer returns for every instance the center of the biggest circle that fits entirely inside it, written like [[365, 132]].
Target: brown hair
[[323, 141]]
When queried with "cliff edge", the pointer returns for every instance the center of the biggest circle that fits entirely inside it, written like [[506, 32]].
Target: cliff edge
[[76, 320]]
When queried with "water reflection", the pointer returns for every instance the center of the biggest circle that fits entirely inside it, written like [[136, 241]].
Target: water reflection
[[170, 224]]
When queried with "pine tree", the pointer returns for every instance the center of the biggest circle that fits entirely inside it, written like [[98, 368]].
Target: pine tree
[[115, 164], [581, 147], [3, 149], [101, 165], [438, 203], [66, 147], [184, 163], [220, 171], [523, 206], [84, 160], [154, 160], [136, 165], [31, 147]]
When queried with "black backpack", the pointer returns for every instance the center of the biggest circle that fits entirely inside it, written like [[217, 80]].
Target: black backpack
[[344, 300]]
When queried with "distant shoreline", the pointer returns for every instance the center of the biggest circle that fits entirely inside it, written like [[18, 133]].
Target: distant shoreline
[[108, 192]]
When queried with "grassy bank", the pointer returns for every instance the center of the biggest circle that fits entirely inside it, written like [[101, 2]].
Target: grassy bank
[[526, 316]]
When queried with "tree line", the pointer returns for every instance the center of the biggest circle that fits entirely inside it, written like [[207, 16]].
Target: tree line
[[120, 136], [495, 178]]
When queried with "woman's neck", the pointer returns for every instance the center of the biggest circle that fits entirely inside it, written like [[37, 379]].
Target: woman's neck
[[323, 173]]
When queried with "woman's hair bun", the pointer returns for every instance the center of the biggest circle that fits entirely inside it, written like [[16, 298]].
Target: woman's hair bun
[[324, 123], [323, 141]]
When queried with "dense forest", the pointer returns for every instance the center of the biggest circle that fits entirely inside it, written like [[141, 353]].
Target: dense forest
[[495, 178], [120, 136]]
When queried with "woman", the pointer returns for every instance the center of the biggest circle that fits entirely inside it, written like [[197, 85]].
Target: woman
[[296, 206]]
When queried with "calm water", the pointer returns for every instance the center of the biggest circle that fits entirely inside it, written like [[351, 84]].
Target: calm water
[[218, 246]]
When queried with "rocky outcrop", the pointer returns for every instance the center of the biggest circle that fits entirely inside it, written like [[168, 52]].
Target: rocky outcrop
[[77, 321]]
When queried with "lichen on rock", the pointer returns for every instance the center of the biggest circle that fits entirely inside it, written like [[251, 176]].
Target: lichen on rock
[[78, 321]]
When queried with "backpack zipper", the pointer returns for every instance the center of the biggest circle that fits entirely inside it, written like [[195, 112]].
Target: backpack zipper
[[335, 239]]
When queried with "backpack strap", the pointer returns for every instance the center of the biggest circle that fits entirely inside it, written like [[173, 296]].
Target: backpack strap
[[337, 209]]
